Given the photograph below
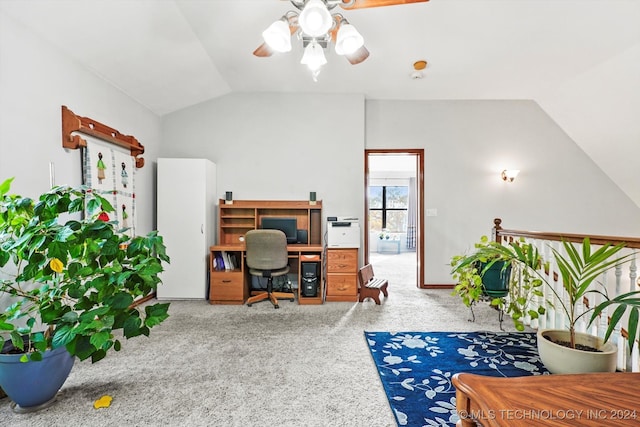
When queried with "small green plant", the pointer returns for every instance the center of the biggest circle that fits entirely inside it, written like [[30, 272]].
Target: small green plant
[[469, 269], [468, 282], [73, 282], [524, 287]]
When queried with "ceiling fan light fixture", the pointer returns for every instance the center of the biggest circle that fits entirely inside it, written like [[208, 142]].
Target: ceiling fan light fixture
[[278, 36], [315, 19], [349, 40], [313, 56]]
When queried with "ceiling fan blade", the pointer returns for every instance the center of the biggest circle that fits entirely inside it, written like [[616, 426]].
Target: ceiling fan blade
[[362, 4], [263, 51], [358, 56]]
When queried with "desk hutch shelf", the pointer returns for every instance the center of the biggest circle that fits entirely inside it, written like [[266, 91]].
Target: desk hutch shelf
[[244, 215]]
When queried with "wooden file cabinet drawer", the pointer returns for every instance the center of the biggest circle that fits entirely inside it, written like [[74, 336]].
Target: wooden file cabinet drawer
[[342, 260], [342, 274], [341, 285], [227, 288]]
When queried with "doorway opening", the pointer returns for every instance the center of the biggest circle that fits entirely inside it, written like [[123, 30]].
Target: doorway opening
[[394, 219]]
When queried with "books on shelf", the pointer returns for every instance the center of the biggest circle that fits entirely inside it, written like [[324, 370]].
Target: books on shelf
[[224, 260]]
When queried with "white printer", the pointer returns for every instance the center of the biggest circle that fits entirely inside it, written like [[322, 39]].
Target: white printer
[[343, 232]]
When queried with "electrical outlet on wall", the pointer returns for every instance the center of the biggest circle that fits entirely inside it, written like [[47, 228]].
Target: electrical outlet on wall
[[432, 212]]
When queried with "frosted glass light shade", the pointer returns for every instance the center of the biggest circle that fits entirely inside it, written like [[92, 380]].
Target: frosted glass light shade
[[313, 56], [509, 175], [315, 19], [349, 40], [278, 36]]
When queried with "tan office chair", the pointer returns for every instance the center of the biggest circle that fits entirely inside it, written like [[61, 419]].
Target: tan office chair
[[267, 256]]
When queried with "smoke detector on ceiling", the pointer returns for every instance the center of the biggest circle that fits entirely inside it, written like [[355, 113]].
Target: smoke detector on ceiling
[[418, 66]]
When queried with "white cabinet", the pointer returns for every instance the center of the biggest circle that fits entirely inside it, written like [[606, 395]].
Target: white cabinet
[[186, 198]]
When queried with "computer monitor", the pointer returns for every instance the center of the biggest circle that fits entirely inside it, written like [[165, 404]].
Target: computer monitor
[[289, 226]]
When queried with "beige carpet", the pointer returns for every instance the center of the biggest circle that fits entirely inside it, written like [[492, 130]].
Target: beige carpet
[[239, 366], [399, 268]]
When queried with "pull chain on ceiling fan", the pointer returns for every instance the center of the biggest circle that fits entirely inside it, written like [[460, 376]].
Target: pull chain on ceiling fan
[[317, 26]]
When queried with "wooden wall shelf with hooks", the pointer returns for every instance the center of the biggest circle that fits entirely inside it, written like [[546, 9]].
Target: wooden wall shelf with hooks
[[85, 125]]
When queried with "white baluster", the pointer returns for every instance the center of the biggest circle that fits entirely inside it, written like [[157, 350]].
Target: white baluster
[[616, 336], [560, 316], [622, 349], [536, 301], [618, 271], [602, 323], [635, 358], [633, 268], [548, 257]]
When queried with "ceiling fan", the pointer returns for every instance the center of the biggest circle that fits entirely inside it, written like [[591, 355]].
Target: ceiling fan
[[317, 26]]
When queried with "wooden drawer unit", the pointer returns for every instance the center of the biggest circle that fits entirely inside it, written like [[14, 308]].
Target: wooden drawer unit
[[342, 274], [342, 285], [342, 260], [227, 288]]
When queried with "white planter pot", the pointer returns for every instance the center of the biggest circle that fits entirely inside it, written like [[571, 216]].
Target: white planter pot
[[559, 359]]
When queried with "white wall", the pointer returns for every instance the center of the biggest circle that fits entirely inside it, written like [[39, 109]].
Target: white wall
[[599, 109], [278, 146], [35, 81], [467, 144], [264, 150]]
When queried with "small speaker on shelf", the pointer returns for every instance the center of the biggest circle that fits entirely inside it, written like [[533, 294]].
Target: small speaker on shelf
[[228, 198], [303, 236]]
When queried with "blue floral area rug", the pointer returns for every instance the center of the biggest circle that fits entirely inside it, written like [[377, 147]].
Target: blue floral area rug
[[416, 368]]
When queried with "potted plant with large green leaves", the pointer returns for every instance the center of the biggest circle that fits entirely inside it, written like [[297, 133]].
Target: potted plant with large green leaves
[[69, 285], [579, 268], [481, 277]]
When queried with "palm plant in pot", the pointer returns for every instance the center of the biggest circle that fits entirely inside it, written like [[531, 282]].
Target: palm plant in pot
[[567, 350], [69, 288]]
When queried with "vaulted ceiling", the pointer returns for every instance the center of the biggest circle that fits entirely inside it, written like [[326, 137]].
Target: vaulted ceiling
[[578, 59]]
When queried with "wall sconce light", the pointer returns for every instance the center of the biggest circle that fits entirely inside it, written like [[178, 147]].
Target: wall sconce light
[[508, 175]]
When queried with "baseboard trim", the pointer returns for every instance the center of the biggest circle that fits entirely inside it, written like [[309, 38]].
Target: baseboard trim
[[437, 286]]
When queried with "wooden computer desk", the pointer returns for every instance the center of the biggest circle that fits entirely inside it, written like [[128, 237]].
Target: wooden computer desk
[[603, 399], [234, 287], [237, 217]]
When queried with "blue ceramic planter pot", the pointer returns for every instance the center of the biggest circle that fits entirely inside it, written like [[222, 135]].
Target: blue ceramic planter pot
[[33, 384]]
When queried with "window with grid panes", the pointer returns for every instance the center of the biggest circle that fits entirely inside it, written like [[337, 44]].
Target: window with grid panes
[[388, 208]]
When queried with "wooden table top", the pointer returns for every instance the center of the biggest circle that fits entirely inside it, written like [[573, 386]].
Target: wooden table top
[[602, 399]]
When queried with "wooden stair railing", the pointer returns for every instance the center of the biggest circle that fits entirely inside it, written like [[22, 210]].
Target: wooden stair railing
[[499, 233]]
